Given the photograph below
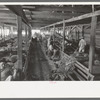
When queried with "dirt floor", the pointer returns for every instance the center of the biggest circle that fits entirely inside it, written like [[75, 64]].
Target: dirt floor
[[38, 65]]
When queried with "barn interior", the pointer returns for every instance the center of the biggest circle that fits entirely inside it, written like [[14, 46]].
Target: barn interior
[[25, 33]]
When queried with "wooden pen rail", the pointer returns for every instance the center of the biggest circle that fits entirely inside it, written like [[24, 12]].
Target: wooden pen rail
[[80, 71]]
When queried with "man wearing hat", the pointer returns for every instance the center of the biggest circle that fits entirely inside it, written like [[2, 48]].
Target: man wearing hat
[[82, 44]]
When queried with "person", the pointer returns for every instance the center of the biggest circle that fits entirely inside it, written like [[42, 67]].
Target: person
[[56, 54], [82, 44], [34, 38], [50, 49]]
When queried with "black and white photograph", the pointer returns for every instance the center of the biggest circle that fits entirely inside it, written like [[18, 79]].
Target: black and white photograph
[[51, 42]]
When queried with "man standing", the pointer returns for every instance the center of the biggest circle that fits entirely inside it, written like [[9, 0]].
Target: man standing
[[82, 44]]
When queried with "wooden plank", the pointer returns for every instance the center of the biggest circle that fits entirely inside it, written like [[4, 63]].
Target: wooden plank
[[96, 13], [19, 52], [85, 76], [92, 42]]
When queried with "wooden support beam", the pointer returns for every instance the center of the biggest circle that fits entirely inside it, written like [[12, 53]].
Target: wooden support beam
[[19, 23], [92, 43]]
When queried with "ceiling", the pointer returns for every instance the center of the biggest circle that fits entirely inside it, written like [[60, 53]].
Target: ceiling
[[42, 15]]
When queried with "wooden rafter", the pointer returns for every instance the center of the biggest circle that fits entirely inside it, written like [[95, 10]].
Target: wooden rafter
[[69, 8], [85, 16]]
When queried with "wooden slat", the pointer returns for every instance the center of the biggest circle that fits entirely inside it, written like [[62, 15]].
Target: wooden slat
[[86, 76], [19, 23], [78, 76], [82, 66]]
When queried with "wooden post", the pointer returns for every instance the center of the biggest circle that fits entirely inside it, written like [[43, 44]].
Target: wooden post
[[1, 32], [5, 32], [92, 42], [83, 31], [0, 74], [63, 36], [19, 23], [11, 28], [53, 33], [76, 34], [58, 30], [30, 33], [3, 29]]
